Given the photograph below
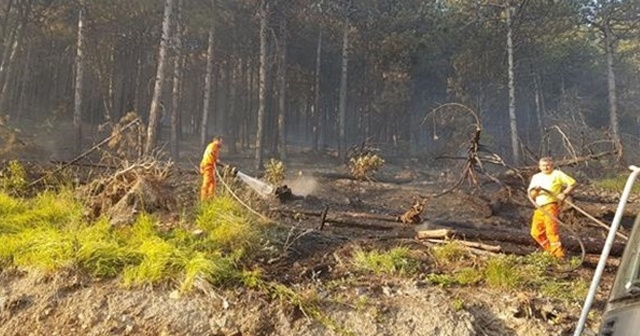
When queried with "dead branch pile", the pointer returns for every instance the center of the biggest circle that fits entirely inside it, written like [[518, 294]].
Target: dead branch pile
[[141, 186]]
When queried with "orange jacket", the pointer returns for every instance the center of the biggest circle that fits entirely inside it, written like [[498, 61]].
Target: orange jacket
[[210, 157]]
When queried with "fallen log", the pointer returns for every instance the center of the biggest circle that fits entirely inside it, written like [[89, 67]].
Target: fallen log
[[592, 246], [438, 229], [340, 214], [474, 245]]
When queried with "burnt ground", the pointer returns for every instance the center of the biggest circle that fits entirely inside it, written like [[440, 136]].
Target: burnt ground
[[314, 263]]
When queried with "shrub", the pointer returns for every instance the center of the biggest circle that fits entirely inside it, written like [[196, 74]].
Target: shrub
[[364, 167], [13, 178], [274, 171]]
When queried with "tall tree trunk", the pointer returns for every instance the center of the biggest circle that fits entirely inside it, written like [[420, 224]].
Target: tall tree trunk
[[154, 111], [538, 102], [515, 148], [342, 106], [5, 20], [611, 84], [317, 119], [77, 102], [24, 85], [207, 89], [177, 81], [282, 81], [6, 69], [235, 65], [262, 86]]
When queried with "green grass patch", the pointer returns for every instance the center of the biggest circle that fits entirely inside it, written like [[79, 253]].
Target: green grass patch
[[227, 224], [43, 248], [575, 290], [449, 253], [615, 183], [503, 273], [48, 233], [53, 209], [398, 261]]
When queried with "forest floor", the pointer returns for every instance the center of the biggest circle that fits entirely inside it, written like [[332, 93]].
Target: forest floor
[[348, 302]]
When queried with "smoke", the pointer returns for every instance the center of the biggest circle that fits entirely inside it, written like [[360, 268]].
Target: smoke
[[302, 185]]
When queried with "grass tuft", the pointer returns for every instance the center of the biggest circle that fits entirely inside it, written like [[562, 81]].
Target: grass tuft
[[227, 224], [395, 261], [502, 273]]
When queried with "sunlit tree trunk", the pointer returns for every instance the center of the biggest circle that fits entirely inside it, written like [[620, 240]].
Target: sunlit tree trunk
[[207, 90], [342, 105], [611, 85], [177, 81], [154, 111], [538, 97], [5, 19], [262, 85], [282, 84], [77, 102], [233, 105], [6, 69], [515, 148], [317, 119]]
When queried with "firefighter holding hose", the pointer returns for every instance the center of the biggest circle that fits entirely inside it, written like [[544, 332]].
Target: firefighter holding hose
[[549, 188], [208, 168]]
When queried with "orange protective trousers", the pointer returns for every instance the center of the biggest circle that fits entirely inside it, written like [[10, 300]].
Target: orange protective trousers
[[208, 188], [544, 229], [208, 170]]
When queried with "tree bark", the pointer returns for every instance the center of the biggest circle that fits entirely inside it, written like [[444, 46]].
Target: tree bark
[[317, 118], [154, 112], [282, 81], [342, 107], [515, 148], [6, 69], [207, 89], [177, 83], [262, 84], [77, 103], [611, 86]]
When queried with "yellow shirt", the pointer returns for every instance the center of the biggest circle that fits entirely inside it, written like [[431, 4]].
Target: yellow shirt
[[554, 182], [210, 157]]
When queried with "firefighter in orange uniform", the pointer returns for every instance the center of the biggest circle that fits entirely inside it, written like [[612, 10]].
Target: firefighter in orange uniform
[[208, 169], [546, 188]]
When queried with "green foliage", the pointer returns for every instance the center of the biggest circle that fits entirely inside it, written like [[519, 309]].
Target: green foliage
[[448, 253], [502, 273], [468, 276], [615, 184], [364, 167], [442, 280], [43, 248], [101, 254], [465, 276], [9, 208], [227, 224], [47, 233], [274, 171], [13, 178], [573, 291], [159, 259], [458, 304], [395, 261]]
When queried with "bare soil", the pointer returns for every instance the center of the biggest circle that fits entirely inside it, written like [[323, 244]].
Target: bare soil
[[71, 304]]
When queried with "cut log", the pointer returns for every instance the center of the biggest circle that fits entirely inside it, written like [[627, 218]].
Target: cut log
[[592, 246], [475, 245]]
